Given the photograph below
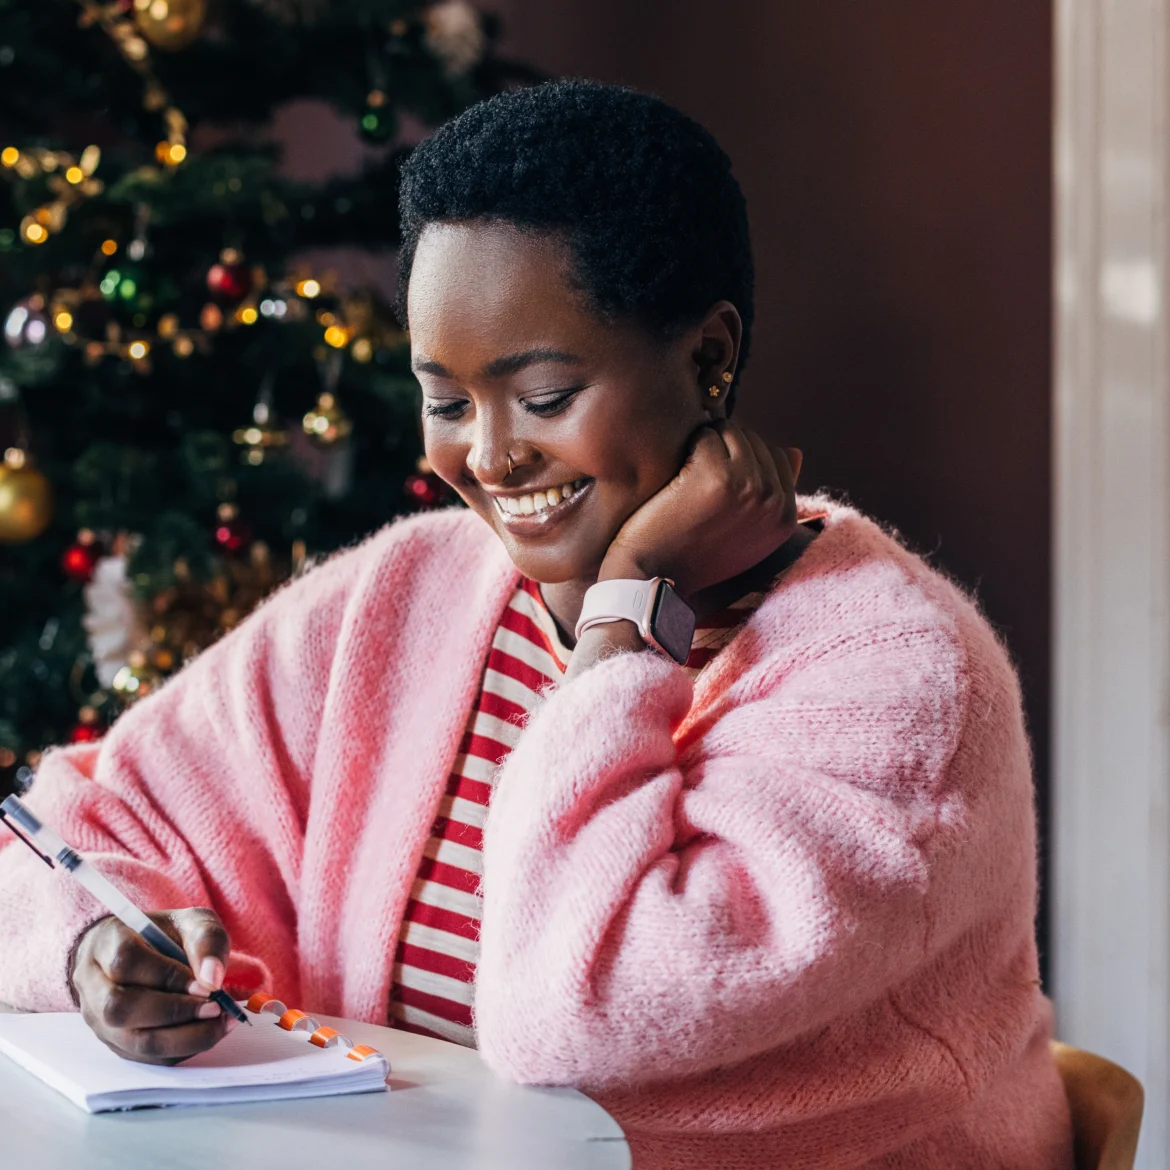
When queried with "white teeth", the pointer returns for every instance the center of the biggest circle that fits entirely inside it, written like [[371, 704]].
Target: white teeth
[[537, 501]]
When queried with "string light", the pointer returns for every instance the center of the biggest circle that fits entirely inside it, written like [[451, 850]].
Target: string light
[[109, 247], [64, 321], [138, 350], [336, 336], [246, 315], [80, 184], [308, 289]]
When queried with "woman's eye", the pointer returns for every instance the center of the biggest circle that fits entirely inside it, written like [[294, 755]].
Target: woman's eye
[[444, 409], [552, 403]]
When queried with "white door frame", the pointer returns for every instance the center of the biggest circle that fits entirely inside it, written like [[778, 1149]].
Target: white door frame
[[1111, 736]]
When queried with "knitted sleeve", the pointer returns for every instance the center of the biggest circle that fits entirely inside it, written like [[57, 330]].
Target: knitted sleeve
[[658, 904], [197, 797]]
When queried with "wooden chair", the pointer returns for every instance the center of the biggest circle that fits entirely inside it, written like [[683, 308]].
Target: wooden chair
[[1106, 1106]]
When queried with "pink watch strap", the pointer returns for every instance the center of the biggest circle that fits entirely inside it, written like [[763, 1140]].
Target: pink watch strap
[[619, 601]]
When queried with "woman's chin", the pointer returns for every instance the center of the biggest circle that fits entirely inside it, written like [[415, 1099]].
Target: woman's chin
[[552, 564]]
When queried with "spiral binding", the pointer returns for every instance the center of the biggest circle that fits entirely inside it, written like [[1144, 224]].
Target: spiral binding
[[295, 1020]]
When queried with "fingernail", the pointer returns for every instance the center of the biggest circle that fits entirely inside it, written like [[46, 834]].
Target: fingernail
[[232, 1024], [208, 1011], [197, 988], [211, 973]]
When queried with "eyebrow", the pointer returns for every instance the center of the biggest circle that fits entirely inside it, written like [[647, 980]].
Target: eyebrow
[[500, 367]]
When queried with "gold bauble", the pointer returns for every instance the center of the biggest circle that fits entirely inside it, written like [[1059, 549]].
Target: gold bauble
[[326, 424], [26, 504], [136, 679], [170, 24]]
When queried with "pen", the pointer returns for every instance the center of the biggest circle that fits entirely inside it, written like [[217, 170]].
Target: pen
[[56, 852]]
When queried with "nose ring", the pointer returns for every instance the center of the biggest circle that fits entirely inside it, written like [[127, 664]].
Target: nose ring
[[511, 465]]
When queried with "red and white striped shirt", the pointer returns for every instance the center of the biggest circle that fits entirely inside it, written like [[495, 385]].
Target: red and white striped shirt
[[434, 968]]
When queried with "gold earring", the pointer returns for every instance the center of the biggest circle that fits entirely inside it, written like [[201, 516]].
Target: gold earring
[[727, 376], [714, 391]]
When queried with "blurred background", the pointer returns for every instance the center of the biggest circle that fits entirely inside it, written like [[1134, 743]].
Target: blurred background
[[957, 212]]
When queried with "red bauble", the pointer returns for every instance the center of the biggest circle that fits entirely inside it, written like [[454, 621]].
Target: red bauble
[[80, 560], [88, 727], [229, 282], [232, 535], [424, 491]]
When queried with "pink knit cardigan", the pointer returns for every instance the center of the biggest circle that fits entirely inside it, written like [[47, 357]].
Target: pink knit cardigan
[[781, 916]]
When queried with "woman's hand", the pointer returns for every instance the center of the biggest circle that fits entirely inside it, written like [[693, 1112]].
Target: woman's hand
[[732, 504], [145, 1006]]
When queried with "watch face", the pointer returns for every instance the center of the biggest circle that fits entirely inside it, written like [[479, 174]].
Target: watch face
[[672, 623]]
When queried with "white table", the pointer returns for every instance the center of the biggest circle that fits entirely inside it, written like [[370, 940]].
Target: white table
[[445, 1110]]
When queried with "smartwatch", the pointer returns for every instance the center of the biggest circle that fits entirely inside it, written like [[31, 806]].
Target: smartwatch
[[663, 619]]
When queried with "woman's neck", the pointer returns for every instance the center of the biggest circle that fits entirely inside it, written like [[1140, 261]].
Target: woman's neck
[[564, 599]]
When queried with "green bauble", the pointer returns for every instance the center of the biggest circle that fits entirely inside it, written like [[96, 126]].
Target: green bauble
[[378, 123], [127, 288]]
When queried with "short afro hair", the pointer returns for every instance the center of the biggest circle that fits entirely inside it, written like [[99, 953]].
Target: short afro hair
[[644, 196]]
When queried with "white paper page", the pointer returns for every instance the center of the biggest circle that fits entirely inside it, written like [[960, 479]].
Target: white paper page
[[81, 1066]]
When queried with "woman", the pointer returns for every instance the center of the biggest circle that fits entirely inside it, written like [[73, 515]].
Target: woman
[[772, 905]]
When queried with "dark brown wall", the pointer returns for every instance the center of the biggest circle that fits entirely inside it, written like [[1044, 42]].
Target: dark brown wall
[[895, 156]]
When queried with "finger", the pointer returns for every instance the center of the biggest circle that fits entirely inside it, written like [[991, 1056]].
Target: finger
[[707, 444], [124, 958], [206, 942], [795, 460], [785, 469], [743, 459], [769, 473], [785, 458], [170, 1045], [121, 1007]]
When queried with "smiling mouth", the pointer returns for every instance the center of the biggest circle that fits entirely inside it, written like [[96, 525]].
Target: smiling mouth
[[537, 510]]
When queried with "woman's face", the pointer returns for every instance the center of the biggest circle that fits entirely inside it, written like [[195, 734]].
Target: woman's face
[[513, 364]]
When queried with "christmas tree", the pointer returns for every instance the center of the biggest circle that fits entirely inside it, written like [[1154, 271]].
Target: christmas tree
[[188, 411]]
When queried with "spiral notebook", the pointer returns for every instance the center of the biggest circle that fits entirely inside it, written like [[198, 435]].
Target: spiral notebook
[[286, 1054]]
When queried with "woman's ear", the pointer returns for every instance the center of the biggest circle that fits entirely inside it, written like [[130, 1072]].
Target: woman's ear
[[716, 355]]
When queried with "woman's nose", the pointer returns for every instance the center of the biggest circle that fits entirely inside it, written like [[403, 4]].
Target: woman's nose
[[489, 458]]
